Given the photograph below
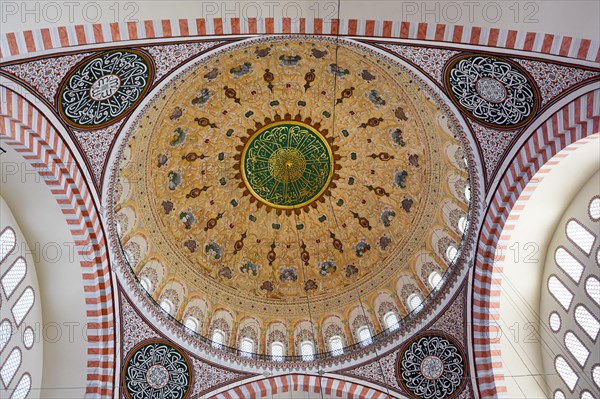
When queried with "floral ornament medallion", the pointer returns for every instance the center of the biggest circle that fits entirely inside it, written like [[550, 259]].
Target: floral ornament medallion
[[431, 367], [103, 88], [492, 90], [287, 164], [156, 370]]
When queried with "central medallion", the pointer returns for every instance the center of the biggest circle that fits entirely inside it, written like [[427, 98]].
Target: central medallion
[[287, 164], [105, 87]]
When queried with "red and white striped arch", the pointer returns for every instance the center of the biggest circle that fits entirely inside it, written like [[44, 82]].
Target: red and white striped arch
[[25, 129], [18, 43], [571, 125], [330, 386]]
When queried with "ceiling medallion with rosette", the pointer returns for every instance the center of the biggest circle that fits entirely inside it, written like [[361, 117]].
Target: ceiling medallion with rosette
[[287, 164]]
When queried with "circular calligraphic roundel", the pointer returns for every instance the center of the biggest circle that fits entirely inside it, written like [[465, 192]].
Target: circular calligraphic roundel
[[431, 367], [492, 90], [156, 369], [287, 164], [104, 88]]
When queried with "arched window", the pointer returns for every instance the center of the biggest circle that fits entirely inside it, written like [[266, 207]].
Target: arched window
[[218, 338], [594, 209], [576, 347], [462, 224], [391, 321], [555, 322], [415, 303], [28, 338], [23, 305], [468, 193], [277, 351], [191, 323], [307, 350], [336, 345], [451, 253], [560, 292], [565, 372], [13, 277], [587, 321], [571, 288], [22, 388], [17, 302], [10, 366], [5, 333], [8, 239], [130, 257], [434, 279], [568, 264], [146, 284], [247, 347], [166, 306], [364, 335], [592, 288], [587, 395], [580, 236]]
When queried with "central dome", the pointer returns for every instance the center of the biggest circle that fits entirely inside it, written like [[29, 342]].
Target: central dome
[[280, 172], [287, 164]]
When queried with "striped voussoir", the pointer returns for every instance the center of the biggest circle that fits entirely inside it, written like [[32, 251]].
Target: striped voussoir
[[16, 43], [301, 383], [571, 125], [26, 130]]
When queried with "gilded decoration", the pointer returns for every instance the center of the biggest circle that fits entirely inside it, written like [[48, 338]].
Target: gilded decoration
[[282, 167], [287, 164]]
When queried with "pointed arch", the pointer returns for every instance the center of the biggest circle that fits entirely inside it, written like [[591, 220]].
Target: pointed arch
[[332, 386], [570, 125], [26, 130]]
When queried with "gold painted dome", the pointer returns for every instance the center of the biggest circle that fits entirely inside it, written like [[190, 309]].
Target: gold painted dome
[[288, 168]]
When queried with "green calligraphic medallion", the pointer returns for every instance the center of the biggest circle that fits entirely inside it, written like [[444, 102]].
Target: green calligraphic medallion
[[287, 164]]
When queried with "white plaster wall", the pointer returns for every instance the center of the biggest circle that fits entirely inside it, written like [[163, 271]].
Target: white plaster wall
[[31, 359], [525, 257], [552, 344], [578, 18], [58, 270]]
